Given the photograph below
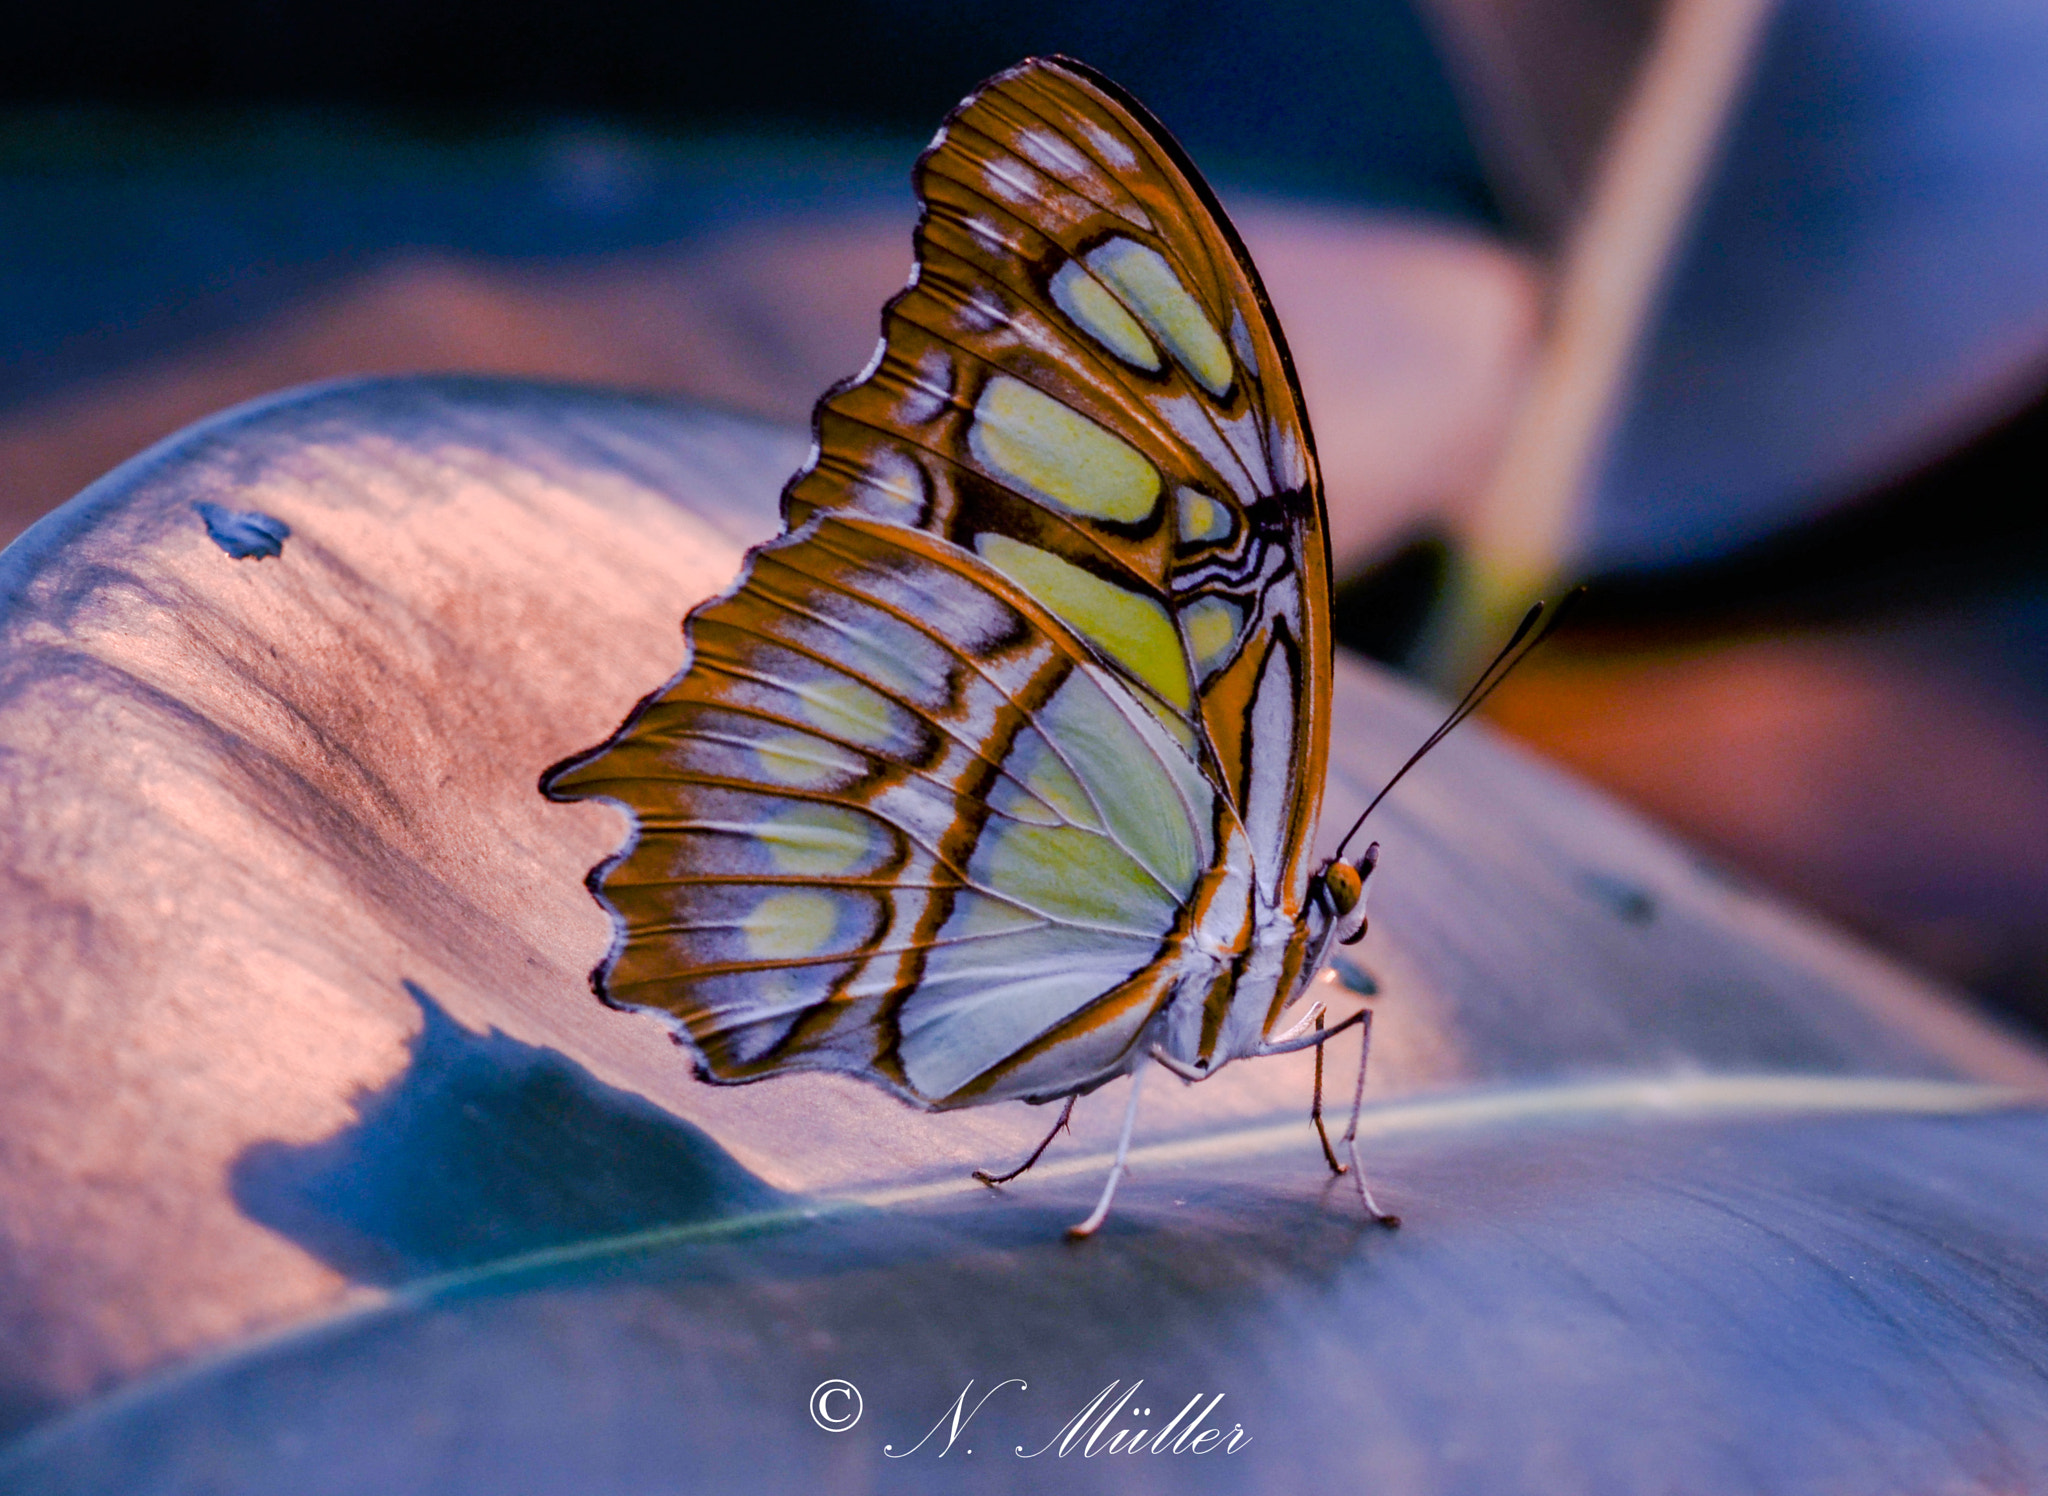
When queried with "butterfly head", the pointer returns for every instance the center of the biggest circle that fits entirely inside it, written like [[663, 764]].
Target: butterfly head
[[1344, 889]]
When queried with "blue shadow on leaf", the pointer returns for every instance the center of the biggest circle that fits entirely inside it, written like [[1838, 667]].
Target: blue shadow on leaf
[[481, 1148]]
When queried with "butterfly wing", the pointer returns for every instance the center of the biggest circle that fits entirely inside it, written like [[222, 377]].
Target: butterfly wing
[[865, 841]]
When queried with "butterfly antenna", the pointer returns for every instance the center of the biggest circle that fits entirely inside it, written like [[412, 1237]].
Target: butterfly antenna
[[1499, 669]]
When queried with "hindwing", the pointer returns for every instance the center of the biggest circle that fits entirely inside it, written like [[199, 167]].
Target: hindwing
[[895, 818]]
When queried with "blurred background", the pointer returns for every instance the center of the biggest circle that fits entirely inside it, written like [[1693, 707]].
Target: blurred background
[[1737, 310]]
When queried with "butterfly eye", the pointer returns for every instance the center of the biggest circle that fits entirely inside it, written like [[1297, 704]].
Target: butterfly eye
[[1345, 887]]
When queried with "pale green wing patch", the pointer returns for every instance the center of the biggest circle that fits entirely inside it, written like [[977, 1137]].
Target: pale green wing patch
[[1128, 627], [1145, 282], [1157, 803]]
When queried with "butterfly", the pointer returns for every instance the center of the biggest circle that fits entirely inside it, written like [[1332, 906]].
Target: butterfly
[[997, 774]]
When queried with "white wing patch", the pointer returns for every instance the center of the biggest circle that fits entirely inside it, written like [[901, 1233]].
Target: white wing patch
[[1050, 153], [929, 390], [1200, 427], [1272, 769], [962, 1023]]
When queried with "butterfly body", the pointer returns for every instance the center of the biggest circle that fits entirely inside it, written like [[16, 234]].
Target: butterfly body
[[997, 774]]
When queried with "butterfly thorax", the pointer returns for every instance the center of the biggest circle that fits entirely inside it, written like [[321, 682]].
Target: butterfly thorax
[[1247, 958]]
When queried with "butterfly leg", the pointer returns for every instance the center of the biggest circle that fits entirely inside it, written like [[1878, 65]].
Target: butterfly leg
[[1319, 1037], [1372, 1206], [1116, 1172], [1315, 1107], [1302, 1036], [1288, 1043], [1188, 1073], [992, 1180]]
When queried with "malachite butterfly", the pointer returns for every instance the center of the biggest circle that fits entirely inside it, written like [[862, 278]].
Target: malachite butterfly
[[996, 775]]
